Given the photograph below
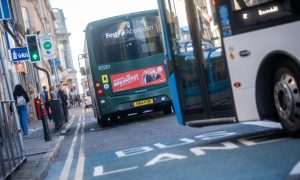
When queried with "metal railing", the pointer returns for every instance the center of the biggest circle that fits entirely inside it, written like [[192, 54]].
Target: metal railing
[[12, 152]]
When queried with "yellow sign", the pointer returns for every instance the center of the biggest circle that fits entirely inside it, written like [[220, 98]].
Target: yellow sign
[[20, 67], [104, 78], [143, 102]]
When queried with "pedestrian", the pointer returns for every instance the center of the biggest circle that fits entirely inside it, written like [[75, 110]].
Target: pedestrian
[[53, 93], [21, 99], [45, 95], [72, 98], [64, 102]]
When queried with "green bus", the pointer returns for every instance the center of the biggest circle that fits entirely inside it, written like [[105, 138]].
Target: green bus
[[126, 70]]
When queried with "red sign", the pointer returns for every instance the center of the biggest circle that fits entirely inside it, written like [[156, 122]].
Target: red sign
[[138, 78]]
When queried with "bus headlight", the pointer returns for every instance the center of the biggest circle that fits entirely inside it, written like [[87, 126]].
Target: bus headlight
[[102, 101], [163, 98]]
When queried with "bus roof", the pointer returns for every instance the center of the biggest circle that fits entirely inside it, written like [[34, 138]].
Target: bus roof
[[129, 15]]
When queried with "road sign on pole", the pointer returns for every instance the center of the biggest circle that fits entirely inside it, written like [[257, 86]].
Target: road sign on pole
[[55, 63], [19, 54], [47, 46], [4, 8]]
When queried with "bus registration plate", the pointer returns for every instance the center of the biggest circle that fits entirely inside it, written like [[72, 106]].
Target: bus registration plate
[[143, 102]]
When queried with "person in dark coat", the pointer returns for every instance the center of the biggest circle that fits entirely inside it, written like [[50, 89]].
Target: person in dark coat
[[21, 99], [64, 102]]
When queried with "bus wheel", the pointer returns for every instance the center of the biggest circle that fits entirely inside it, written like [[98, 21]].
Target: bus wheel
[[103, 121], [287, 98], [167, 110]]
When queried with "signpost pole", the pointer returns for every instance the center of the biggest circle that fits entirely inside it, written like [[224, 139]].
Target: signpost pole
[[55, 72]]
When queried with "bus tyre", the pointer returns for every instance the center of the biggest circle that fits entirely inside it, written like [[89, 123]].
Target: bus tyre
[[167, 110], [103, 121], [287, 98]]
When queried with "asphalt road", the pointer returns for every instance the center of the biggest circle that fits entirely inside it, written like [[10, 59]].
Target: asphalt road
[[154, 146]]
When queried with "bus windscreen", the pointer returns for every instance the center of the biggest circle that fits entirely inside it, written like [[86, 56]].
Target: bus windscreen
[[132, 38]]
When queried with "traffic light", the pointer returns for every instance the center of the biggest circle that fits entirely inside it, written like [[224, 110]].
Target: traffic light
[[33, 48]]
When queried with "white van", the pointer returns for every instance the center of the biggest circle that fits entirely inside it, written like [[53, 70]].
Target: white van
[[88, 98]]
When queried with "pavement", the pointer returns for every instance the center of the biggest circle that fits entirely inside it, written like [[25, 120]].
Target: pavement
[[40, 153]]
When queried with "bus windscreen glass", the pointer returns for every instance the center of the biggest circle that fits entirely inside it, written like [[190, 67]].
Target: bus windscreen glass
[[133, 38], [250, 15]]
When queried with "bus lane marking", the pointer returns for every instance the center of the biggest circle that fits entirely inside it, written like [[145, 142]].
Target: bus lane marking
[[99, 170], [185, 141], [197, 151], [66, 168], [295, 171], [164, 157], [81, 156], [203, 137]]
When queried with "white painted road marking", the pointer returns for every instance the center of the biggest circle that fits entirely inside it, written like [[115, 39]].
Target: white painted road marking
[[185, 141], [66, 169], [98, 170], [295, 170], [81, 158], [198, 151], [64, 131], [164, 157], [203, 137]]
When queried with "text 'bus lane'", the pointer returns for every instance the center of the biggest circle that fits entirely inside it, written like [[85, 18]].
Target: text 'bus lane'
[[196, 151]]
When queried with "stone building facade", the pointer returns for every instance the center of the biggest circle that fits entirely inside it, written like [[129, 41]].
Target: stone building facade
[[69, 73]]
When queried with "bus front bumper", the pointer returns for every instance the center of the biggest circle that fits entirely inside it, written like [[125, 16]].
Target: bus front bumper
[[153, 103]]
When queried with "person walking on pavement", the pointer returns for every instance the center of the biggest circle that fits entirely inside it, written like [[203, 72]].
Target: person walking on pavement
[[64, 102], [45, 96], [53, 93], [21, 99]]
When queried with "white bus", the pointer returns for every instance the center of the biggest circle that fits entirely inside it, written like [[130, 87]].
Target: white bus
[[256, 73]]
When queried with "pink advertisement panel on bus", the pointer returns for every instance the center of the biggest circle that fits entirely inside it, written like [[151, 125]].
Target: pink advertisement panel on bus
[[138, 78]]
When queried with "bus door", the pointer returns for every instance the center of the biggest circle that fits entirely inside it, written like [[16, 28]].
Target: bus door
[[199, 77]]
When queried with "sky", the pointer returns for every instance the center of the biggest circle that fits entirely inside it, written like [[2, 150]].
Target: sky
[[79, 13]]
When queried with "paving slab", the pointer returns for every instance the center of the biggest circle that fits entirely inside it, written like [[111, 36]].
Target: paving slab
[[40, 153]]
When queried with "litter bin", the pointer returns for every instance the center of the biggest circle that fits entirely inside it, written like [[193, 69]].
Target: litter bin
[[57, 113]]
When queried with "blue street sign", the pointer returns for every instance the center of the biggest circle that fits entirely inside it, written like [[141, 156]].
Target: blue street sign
[[19, 54], [55, 63], [5, 13]]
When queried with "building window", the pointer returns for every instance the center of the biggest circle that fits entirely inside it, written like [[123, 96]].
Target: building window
[[57, 26], [25, 17]]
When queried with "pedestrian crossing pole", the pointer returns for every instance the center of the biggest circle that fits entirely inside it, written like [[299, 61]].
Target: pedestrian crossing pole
[[47, 135], [55, 73]]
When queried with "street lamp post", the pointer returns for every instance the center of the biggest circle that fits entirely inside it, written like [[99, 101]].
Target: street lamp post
[[81, 56]]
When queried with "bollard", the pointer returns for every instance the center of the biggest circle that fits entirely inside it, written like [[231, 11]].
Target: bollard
[[47, 135]]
